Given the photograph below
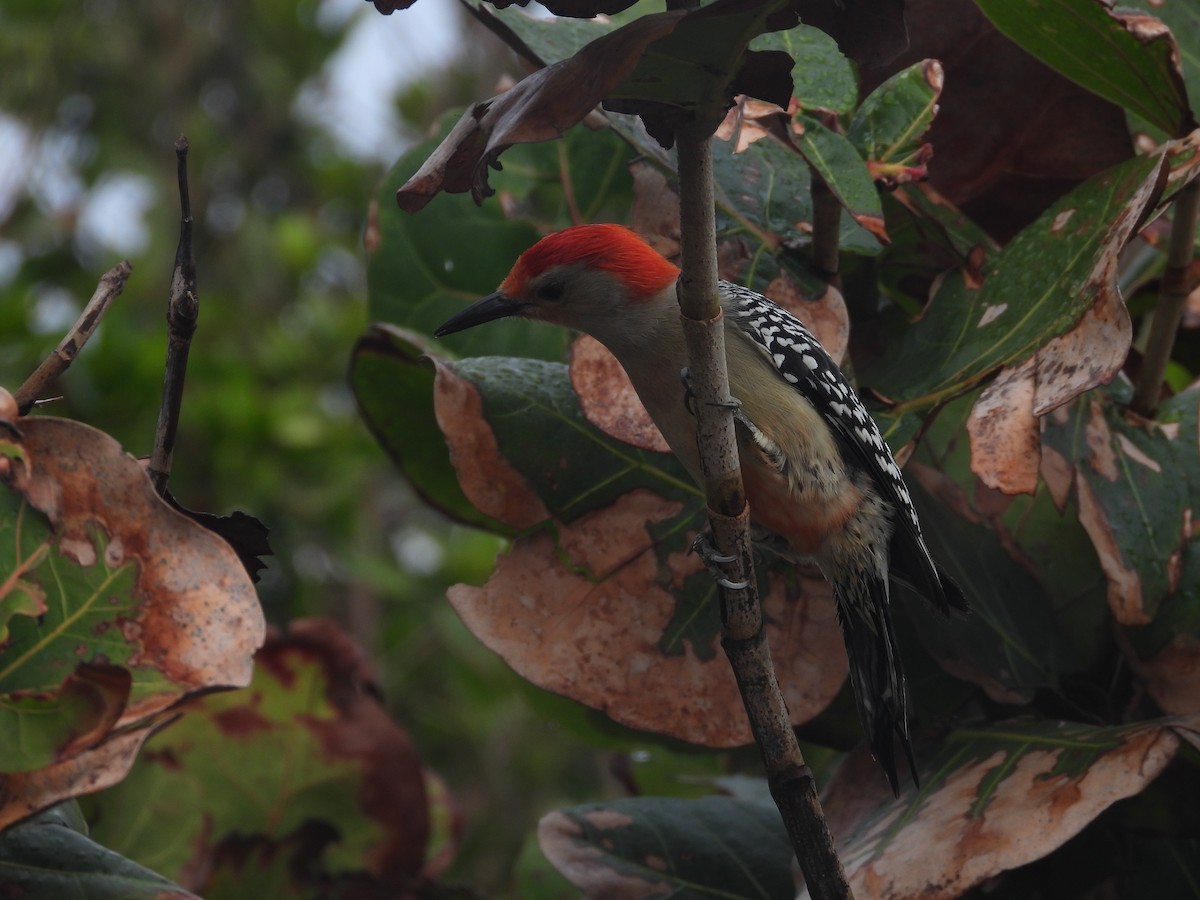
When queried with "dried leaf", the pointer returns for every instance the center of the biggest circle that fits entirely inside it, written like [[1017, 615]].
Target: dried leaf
[[540, 107], [608, 399], [992, 799], [1005, 439]]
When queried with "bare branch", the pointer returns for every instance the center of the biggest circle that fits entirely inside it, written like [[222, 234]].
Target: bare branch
[[182, 311], [743, 636], [110, 287]]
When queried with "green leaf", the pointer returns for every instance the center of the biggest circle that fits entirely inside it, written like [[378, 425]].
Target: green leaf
[[51, 857], [1143, 481], [83, 603], [713, 847], [835, 159], [1126, 60], [1007, 643], [551, 38], [304, 745], [765, 192], [573, 467], [822, 77], [1035, 289], [426, 268], [693, 68], [393, 384], [889, 126]]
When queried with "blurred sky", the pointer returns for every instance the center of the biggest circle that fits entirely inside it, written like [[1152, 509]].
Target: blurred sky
[[352, 99]]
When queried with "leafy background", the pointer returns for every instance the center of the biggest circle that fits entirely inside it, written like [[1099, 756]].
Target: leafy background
[[270, 425]]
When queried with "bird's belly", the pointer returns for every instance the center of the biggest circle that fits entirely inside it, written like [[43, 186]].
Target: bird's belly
[[806, 518]]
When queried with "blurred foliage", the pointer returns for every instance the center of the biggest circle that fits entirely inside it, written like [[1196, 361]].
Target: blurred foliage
[[94, 97]]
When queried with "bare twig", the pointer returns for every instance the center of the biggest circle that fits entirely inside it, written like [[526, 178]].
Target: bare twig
[[1172, 296], [827, 227], [182, 311], [109, 288], [743, 636]]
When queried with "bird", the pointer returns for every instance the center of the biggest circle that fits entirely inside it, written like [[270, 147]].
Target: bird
[[817, 472]]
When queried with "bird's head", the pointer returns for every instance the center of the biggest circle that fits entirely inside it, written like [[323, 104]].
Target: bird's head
[[587, 277]]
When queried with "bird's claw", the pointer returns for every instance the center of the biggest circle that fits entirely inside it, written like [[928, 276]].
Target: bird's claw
[[703, 547], [689, 397]]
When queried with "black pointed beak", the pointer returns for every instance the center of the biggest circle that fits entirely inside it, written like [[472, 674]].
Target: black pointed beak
[[493, 306]]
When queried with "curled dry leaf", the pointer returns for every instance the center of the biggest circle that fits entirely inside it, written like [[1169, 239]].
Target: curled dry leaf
[[992, 801], [1005, 438], [540, 107], [590, 618], [603, 604], [608, 399], [24, 793]]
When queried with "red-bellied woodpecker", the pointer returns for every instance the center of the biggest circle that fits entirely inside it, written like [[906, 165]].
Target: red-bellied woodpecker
[[816, 469]]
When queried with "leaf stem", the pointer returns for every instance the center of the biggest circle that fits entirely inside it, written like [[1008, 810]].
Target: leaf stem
[[1172, 297]]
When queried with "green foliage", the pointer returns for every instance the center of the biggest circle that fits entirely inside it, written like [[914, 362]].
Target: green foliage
[[1045, 705]]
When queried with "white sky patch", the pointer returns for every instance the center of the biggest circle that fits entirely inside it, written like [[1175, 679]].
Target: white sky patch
[[113, 216], [352, 96], [991, 314]]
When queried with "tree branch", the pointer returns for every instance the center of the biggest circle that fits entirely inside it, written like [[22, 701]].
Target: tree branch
[[110, 287], [743, 636], [1172, 297], [183, 308]]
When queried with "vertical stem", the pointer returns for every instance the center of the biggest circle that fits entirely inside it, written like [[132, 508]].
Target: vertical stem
[[1172, 297], [827, 226], [183, 308], [743, 636]]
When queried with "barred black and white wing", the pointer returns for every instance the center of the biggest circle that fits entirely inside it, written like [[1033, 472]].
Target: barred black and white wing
[[802, 362]]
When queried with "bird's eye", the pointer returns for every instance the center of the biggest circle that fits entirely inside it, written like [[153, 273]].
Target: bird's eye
[[552, 290]]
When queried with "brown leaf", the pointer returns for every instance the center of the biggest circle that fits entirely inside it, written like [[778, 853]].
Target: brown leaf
[[25, 793], [825, 316], [608, 399], [489, 482], [588, 619], [961, 842], [1005, 438], [540, 107], [198, 621], [1172, 676]]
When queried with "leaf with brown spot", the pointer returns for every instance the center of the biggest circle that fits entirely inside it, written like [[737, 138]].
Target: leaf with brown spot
[[1133, 511], [645, 847], [992, 799], [305, 762], [143, 607], [606, 586], [1038, 287]]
